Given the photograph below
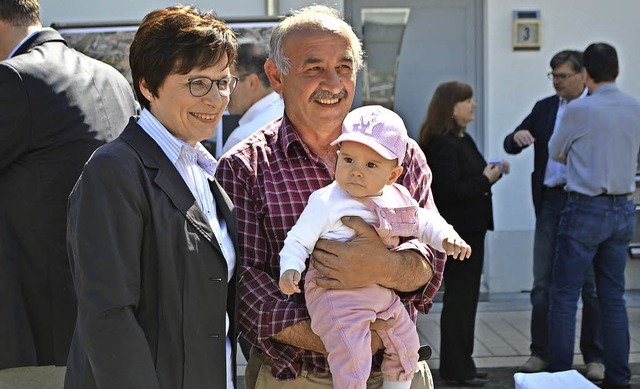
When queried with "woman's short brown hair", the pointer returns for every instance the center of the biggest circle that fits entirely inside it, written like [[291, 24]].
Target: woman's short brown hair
[[176, 40], [439, 120]]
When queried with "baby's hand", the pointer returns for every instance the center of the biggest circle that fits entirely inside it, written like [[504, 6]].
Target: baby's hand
[[289, 282], [456, 247]]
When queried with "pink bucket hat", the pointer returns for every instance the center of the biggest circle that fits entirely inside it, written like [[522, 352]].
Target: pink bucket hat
[[377, 127]]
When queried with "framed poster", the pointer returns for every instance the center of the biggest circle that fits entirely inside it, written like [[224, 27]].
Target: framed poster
[[109, 42]]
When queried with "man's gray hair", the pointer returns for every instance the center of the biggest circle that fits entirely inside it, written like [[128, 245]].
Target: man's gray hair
[[315, 17]]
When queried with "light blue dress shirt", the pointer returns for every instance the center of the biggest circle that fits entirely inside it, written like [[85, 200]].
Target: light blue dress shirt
[[600, 137], [556, 172]]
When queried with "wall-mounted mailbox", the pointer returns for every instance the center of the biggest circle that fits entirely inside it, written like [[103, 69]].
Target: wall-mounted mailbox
[[526, 30]]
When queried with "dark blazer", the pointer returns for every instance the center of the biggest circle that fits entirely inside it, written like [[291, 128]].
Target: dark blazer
[[540, 122], [56, 107], [150, 277], [460, 190]]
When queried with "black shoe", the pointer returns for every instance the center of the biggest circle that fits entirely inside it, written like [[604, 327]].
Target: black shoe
[[482, 374], [472, 382]]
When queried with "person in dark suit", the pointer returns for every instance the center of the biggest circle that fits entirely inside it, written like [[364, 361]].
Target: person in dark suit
[[56, 107], [151, 234], [547, 186], [461, 185]]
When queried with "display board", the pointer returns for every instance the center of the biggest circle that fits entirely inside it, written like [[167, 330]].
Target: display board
[[110, 42]]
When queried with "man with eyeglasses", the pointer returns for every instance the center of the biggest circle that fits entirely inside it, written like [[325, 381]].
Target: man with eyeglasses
[[547, 185], [253, 98], [255, 102]]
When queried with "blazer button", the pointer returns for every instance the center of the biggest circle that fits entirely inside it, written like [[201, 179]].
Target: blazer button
[[219, 279]]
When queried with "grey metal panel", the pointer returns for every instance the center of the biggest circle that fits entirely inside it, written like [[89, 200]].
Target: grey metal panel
[[442, 42]]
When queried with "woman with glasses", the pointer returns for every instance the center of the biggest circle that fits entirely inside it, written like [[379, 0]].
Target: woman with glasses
[[151, 235]]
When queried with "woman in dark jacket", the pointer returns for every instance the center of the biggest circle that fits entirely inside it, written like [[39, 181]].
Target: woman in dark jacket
[[461, 186], [151, 234]]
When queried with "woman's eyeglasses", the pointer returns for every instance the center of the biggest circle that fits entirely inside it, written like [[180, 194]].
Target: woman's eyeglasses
[[200, 86]]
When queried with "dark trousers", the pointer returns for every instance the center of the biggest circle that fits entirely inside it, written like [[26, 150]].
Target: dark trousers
[[458, 319]]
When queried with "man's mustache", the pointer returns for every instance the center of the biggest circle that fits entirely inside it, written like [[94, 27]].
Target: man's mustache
[[323, 95]]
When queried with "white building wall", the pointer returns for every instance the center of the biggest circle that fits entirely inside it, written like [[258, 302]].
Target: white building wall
[[100, 11], [514, 81]]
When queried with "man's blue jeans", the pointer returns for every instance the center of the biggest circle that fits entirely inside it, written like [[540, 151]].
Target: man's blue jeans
[[592, 230], [544, 249]]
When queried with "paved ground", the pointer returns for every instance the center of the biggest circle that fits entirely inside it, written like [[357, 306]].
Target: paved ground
[[502, 378], [502, 331], [502, 344], [503, 337]]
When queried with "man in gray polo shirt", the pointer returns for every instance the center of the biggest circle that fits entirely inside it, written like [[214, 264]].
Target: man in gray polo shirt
[[598, 139]]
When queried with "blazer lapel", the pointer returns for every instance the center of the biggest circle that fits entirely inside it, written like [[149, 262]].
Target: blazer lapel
[[168, 179], [226, 208], [552, 113]]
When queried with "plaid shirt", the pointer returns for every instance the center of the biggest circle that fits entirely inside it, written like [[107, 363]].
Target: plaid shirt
[[269, 178]]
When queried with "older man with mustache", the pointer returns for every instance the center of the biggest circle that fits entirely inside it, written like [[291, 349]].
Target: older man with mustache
[[313, 62]]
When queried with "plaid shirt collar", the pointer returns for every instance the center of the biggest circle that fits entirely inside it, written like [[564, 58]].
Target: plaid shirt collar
[[290, 141]]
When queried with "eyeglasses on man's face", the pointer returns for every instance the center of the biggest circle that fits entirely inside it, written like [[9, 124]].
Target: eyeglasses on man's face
[[200, 86], [560, 76]]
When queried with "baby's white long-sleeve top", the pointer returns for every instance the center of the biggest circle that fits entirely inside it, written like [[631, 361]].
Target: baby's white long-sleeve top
[[321, 219]]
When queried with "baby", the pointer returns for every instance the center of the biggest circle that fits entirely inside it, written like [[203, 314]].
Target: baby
[[372, 147]]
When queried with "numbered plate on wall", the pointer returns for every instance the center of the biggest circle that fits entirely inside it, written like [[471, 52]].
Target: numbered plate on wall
[[526, 35]]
